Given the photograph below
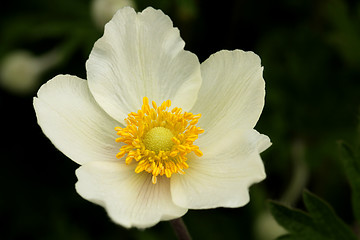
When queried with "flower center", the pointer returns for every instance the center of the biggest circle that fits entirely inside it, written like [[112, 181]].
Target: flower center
[[159, 139]]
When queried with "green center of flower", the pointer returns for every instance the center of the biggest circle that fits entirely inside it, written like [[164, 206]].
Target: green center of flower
[[158, 139]]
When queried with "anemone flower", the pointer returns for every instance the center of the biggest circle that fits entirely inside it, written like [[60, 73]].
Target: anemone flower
[[154, 131]]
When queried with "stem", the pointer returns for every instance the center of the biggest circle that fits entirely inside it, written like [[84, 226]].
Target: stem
[[180, 229]]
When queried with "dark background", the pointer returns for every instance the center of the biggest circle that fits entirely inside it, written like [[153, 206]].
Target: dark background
[[310, 51]]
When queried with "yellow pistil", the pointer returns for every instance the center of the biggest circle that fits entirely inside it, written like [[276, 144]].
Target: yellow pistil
[[159, 139]]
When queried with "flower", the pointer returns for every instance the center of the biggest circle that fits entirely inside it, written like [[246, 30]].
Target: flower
[[266, 227], [157, 133], [103, 10], [21, 70]]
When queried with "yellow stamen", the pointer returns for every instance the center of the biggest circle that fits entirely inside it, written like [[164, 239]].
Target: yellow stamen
[[159, 139]]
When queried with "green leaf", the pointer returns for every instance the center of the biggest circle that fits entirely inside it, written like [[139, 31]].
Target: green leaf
[[289, 237], [295, 221], [325, 219], [351, 164], [320, 223]]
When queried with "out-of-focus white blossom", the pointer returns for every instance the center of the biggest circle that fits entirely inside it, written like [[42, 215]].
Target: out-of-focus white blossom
[[266, 227], [103, 10], [20, 71]]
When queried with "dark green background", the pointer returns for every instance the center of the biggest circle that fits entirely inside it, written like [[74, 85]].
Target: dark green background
[[310, 51]]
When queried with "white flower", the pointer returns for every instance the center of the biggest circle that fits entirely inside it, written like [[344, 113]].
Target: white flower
[[20, 71], [266, 227], [192, 147], [103, 10]]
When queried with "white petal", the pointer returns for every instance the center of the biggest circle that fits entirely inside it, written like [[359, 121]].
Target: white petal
[[130, 199], [141, 55], [222, 176], [232, 93], [70, 117]]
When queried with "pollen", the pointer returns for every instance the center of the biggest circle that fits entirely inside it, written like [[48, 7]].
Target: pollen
[[158, 139]]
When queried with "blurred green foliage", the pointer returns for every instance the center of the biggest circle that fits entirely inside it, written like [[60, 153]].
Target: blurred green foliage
[[310, 51], [320, 223]]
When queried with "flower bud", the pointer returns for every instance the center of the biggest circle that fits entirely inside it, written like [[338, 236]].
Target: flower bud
[[103, 10], [20, 70], [266, 227]]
